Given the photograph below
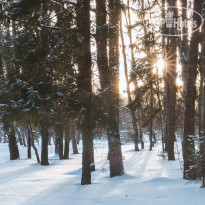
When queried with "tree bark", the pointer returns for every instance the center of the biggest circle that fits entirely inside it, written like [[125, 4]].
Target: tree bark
[[32, 142], [74, 143], [67, 143], [171, 79], [141, 140], [164, 54], [92, 164], [115, 153], [184, 53], [160, 108], [189, 128], [85, 87], [28, 143], [202, 95], [19, 137], [13, 146], [57, 144], [171, 88], [151, 120], [44, 146], [23, 136], [59, 136]]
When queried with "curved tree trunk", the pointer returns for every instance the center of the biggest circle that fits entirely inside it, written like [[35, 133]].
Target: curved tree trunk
[[32, 142]]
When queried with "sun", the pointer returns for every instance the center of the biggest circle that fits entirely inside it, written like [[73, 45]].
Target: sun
[[160, 66]]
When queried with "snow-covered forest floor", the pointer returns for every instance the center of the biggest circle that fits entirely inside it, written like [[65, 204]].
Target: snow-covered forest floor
[[149, 180]]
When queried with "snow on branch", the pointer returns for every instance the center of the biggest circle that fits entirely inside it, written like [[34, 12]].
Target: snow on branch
[[69, 2], [13, 2]]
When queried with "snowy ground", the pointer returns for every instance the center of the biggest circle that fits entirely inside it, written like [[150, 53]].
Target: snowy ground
[[149, 180]]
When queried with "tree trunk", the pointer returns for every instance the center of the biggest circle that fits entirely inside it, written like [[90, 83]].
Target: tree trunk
[[87, 157], [133, 63], [13, 146], [171, 75], [202, 96], [85, 87], [202, 112], [61, 145], [78, 137], [164, 53], [23, 136], [28, 144], [150, 67], [160, 108], [57, 140], [32, 142], [171, 78], [165, 110], [92, 164], [151, 119], [74, 143], [66, 145], [142, 142], [59, 137], [49, 139], [19, 137], [189, 128], [185, 50], [44, 146], [130, 101], [109, 78]]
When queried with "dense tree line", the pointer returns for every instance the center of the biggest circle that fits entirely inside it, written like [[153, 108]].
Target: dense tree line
[[48, 87]]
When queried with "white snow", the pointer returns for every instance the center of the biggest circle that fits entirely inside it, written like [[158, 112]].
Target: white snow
[[149, 180]]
